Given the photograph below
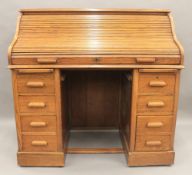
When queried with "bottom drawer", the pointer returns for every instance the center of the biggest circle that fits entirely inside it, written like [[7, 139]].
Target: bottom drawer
[[39, 143], [153, 143]]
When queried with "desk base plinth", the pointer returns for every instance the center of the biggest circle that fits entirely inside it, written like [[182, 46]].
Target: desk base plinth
[[150, 158], [54, 159]]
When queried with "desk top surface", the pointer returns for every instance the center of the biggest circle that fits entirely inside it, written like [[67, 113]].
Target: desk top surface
[[95, 31]]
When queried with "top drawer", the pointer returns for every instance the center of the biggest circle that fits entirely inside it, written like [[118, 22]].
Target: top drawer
[[156, 82], [35, 81], [103, 60]]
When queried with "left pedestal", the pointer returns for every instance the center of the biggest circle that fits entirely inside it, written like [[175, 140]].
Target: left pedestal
[[37, 98]]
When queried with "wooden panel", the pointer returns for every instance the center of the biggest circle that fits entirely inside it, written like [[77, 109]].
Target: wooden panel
[[37, 104], [154, 125], [38, 123], [157, 83], [155, 105], [39, 159], [153, 143], [96, 32], [39, 143], [101, 60], [36, 83], [151, 158], [94, 99]]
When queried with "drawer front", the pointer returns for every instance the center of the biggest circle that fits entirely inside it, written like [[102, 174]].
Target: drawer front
[[155, 105], [35, 83], [153, 143], [37, 104], [157, 83], [95, 60], [38, 123], [39, 143], [154, 124]]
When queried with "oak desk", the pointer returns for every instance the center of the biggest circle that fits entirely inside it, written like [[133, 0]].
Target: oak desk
[[95, 69]]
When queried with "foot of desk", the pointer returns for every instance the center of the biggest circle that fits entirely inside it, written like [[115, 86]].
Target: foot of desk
[[41, 159], [150, 158]]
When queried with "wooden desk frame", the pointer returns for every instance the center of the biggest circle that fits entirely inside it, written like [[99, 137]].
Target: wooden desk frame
[[154, 97]]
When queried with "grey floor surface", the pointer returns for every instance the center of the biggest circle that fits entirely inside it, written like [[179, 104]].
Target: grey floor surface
[[103, 164]]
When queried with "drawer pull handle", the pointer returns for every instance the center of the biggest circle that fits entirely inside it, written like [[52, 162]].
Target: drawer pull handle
[[38, 124], [145, 60], [35, 84], [155, 104], [153, 143], [36, 105], [46, 60], [39, 143], [34, 71], [157, 83], [154, 124]]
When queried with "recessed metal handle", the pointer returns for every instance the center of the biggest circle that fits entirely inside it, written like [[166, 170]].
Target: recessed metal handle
[[153, 143], [154, 124], [145, 60], [46, 60], [39, 143], [36, 105], [38, 124], [35, 84], [155, 104], [157, 83]]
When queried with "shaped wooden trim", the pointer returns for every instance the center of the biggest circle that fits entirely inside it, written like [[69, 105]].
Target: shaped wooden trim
[[175, 38], [14, 39]]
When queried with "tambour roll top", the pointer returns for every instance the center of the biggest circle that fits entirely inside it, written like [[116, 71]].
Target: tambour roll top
[[75, 36]]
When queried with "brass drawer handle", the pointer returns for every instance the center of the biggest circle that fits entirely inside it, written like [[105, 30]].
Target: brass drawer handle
[[46, 60], [38, 124], [155, 104], [39, 143], [153, 143], [157, 83], [35, 84], [154, 124], [36, 105], [145, 60]]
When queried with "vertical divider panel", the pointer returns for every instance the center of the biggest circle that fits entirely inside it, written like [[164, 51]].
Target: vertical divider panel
[[133, 109]]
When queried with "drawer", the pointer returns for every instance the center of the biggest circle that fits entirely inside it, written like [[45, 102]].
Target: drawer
[[37, 104], [38, 123], [155, 105], [39, 143], [104, 60], [157, 83], [154, 124], [153, 143], [35, 82]]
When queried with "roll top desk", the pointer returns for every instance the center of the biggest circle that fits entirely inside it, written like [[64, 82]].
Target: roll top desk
[[95, 68]]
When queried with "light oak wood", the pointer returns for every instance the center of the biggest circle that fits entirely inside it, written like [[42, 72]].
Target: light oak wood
[[37, 104], [155, 105], [154, 125], [38, 83], [45, 159], [46, 60], [151, 158], [35, 123], [39, 143], [153, 143], [38, 124], [94, 150], [146, 60], [69, 64]]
